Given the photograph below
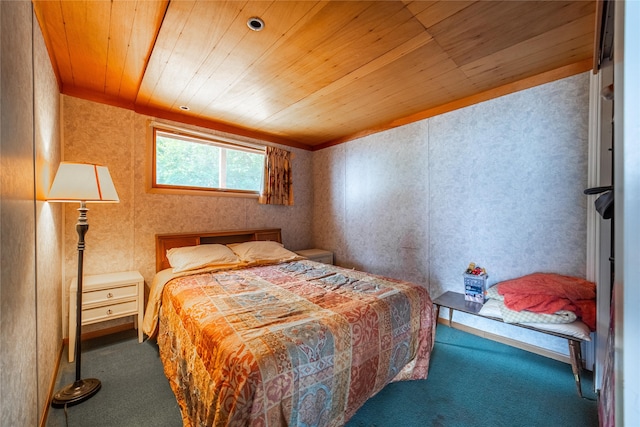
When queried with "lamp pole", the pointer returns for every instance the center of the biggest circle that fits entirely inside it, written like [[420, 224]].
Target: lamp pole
[[81, 389]]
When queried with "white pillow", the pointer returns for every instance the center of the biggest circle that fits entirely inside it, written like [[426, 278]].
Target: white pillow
[[263, 251], [491, 308], [193, 257], [577, 329]]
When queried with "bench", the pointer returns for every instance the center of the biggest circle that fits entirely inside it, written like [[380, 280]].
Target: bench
[[455, 301]]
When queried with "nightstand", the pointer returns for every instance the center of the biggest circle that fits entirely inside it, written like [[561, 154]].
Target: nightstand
[[319, 255], [106, 297]]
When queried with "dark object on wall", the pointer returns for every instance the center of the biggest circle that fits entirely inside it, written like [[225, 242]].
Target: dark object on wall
[[604, 203]]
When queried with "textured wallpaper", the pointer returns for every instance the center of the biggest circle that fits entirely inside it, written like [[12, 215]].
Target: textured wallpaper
[[18, 328], [498, 183], [48, 218], [386, 211], [122, 236], [506, 185], [30, 244]]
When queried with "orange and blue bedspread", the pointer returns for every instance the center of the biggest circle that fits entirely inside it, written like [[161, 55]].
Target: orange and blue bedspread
[[299, 343]]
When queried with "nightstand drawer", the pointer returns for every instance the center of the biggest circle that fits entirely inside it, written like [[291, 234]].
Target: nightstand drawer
[[99, 314], [107, 295]]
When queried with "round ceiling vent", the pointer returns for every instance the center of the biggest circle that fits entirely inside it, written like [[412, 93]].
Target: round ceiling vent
[[256, 24]]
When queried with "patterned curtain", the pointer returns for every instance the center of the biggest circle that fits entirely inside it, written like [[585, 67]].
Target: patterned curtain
[[277, 188]]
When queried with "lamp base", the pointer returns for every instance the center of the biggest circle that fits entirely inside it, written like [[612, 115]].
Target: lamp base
[[75, 393]]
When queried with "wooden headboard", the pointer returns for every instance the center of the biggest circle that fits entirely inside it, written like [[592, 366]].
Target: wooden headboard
[[165, 242]]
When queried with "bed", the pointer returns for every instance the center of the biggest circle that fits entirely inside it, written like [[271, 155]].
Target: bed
[[275, 339]]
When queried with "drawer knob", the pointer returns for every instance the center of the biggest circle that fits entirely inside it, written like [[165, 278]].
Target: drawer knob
[[109, 311], [109, 295]]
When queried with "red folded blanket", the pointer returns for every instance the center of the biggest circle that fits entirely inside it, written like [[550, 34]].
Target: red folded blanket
[[549, 293]]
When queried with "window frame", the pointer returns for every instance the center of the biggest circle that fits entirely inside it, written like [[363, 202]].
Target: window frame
[[198, 138]]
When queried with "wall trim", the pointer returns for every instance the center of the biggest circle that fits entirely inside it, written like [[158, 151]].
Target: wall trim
[[52, 388]]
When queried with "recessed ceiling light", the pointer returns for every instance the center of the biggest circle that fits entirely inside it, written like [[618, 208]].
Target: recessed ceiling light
[[255, 23], [184, 108]]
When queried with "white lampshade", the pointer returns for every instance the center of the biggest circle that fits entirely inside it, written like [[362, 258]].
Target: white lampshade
[[82, 182]]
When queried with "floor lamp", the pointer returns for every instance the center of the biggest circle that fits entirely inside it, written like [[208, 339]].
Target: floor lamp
[[83, 183]]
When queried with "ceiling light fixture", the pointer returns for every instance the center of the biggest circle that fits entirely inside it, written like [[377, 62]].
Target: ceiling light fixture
[[255, 23], [184, 108]]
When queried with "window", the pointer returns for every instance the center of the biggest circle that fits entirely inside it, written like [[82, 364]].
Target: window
[[185, 161]]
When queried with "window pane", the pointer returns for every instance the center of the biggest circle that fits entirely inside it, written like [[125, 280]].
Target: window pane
[[189, 161], [185, 163], [244, 170]]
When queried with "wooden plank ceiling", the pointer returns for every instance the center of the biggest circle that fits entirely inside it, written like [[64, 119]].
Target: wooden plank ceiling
[[320, 72]]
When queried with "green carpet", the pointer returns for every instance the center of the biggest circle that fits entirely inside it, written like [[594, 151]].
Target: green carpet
[[134, 390], [473, 382]]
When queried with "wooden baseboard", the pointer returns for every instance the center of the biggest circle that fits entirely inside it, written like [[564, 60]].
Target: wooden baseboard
[[509, 341], [52, 389]]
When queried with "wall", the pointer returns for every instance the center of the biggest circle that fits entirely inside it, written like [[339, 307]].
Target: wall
[[371, 203], [122, 236], [498, 183], [30, 229]]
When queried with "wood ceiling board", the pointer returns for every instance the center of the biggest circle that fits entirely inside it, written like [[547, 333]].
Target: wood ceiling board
[[367, 36], [215, 78], [309, 103], [549, 51], [377, 92], [120, 26], [173, 24], [440, 98], [409, 76], [100, 47], [236, 50], [138, 23], [342, 68], [347, 51], [352, 84], [88, 41], [179, 24], [302, 61], [132, 31], [337, 105], [288, 47], [488, 27], [49, 15], [516, 73], [207, 26], [477, 97], [430, 13]]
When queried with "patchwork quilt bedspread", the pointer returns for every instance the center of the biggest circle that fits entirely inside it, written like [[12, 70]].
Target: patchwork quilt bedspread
[[299, 343]]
